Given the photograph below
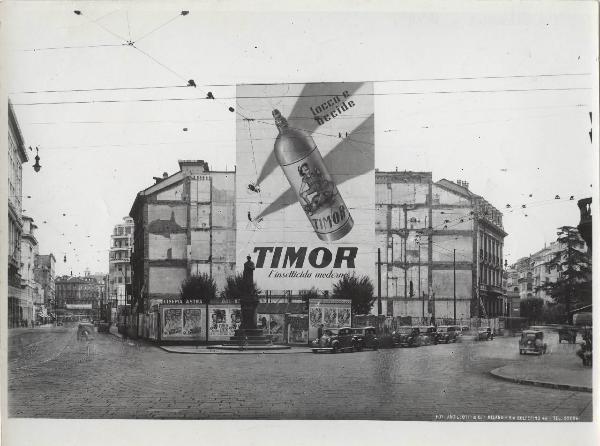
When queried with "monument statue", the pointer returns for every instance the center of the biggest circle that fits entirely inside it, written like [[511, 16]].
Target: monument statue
[[248, 274], [249, 301]]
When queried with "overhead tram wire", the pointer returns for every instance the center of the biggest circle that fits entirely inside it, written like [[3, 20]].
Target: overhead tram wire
[[295, 96], [159, 27], [75, 47], [266, 96], [84, 90]]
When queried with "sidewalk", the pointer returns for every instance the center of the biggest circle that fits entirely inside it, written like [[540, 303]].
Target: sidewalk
[[203, 350], [559, 369]]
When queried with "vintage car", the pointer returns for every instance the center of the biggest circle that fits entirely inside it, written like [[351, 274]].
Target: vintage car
[[336, 340], [447, 333], [366, 337], [464, 329], [429, 335], [568, 334], [485, 334], [532, 341], [407, 337], [85, 332]]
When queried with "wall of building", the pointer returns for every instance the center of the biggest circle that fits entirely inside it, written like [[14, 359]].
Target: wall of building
[[418, 226]]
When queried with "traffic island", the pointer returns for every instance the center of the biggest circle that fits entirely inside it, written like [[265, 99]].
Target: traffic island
[[564, 376]]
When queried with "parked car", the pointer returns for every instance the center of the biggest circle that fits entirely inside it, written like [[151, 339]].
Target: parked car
[[366, 337], [532, 341], [568, 334], [428, 335], [485, 334], [407, 337], [336, 340], [464, 329], [447, 333]]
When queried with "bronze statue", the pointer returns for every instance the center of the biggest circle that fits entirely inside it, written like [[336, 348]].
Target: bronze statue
[[249, 272], [248, 302]]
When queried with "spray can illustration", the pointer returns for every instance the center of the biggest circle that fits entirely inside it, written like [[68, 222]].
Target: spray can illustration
[[303, 165]]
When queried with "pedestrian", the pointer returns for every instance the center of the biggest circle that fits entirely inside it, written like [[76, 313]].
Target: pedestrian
[[320, 331]]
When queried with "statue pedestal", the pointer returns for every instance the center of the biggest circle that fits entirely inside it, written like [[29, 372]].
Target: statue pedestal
[[248, 334], [248, 307]]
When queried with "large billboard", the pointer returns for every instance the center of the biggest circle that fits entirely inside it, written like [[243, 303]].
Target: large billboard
[[305, 185]]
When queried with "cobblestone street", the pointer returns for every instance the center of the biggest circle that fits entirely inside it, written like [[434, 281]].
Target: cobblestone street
[[52, 375]]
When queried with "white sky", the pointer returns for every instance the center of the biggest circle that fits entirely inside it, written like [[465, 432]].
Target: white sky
[[507, 145]]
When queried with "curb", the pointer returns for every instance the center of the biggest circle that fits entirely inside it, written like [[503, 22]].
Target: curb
[[497, 374], [206, 351]]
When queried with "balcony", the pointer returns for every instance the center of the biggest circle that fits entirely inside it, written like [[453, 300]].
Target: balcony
[[122, 260], [491, 289], [120, 248]]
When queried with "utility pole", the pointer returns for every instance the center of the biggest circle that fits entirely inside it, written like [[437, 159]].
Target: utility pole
[[454, 267], [405, 237], [379, 281], [419, 275]]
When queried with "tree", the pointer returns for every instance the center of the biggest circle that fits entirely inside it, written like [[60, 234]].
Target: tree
[[358, 289], [553, 313], [236, 288], [532, 308], [201, 287], [574, 284]]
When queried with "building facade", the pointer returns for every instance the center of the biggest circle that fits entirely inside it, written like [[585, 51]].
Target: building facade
[[441, 244], [533, 271], [184, 226], [441, 247], [44, 274], [30, 291], [16, 157], [78, 298], [119, 264]]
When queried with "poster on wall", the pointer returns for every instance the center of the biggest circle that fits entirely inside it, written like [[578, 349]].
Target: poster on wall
[[192, 321], [188, 323], [305, 185], [272, 324], [172, 321], [298, 330]]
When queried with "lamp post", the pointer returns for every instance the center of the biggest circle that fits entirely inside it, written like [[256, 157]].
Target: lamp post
[[454, 283]]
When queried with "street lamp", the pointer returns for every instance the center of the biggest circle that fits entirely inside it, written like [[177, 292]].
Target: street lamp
[[37, 166]]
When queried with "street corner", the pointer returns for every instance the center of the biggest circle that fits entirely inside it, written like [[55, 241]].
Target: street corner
[[542, 375]]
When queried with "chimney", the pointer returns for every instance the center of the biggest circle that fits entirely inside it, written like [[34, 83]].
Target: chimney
[[165, 175]]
